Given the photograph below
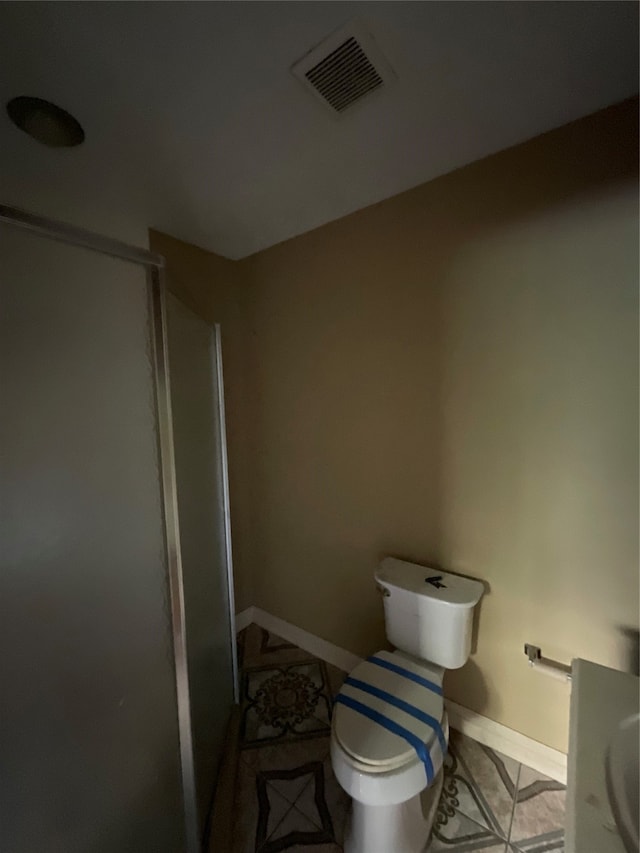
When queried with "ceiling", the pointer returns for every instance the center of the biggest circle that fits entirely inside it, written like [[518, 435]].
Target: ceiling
[[195, 125]]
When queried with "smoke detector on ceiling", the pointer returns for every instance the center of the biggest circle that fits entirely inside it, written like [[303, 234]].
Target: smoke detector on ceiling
[[344, 69]]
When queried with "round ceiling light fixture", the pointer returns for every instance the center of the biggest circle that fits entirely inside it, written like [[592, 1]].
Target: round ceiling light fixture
[[45, 122]]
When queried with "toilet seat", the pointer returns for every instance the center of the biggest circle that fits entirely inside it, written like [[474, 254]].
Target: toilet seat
[[389, 711]]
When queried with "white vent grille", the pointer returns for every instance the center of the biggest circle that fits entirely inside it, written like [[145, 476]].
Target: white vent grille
[[345, 68], [345, 76]]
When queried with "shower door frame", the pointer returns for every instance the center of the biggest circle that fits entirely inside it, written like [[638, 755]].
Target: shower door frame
[[156, 287]]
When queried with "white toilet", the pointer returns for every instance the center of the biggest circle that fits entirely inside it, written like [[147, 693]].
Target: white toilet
[[390, 731]]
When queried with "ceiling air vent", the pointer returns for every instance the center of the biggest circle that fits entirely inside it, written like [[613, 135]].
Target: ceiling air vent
[[344, 69]]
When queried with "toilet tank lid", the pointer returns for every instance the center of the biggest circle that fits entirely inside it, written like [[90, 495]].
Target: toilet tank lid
[[445, 587]]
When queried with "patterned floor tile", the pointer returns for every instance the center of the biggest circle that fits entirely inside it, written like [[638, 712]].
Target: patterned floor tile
[[272, 809], [296, 829], [285, 702], [287, 797], [245, 806], [291, 783], [316, 818], [461, 834], [539, 813], [285, 756], [479, 783], [459, 796], [268, 787], [337, 801], [547, 843], [307, 801]]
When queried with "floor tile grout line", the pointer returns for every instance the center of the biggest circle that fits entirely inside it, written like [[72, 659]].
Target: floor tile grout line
[[292, 807], [484, 828], [495, 827], [304, 788], [275, 828], [513, 805], [311, 781]]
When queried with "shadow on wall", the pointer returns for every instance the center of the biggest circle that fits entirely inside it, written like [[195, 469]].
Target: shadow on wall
[[474, 681], [632, 653], [537, 451], [473, 677], [538, 440]]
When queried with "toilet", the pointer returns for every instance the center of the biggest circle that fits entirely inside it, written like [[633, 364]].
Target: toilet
[[389, 731]]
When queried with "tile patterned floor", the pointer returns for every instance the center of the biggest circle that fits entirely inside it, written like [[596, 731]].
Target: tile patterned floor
[[287, 797]]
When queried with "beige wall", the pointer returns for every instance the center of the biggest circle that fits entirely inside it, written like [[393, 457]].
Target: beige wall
[[539, 448], [213, 287], [451, 376]]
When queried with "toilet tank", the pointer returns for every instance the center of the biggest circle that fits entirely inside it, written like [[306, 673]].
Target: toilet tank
[[428, 613]]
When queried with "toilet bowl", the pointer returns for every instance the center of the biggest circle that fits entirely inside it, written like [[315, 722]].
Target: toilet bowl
[[402, 827], [388, 741], [389, 731]]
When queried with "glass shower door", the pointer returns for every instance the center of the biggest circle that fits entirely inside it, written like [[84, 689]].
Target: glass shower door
[[200, 460], [90, 758]]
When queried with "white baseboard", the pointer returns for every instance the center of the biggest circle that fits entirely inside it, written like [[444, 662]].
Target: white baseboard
[[292, 634], [532, 753], [309, 642], [244, 618]]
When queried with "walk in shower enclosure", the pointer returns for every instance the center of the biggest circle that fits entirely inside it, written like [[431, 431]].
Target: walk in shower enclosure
[[117, 661]]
